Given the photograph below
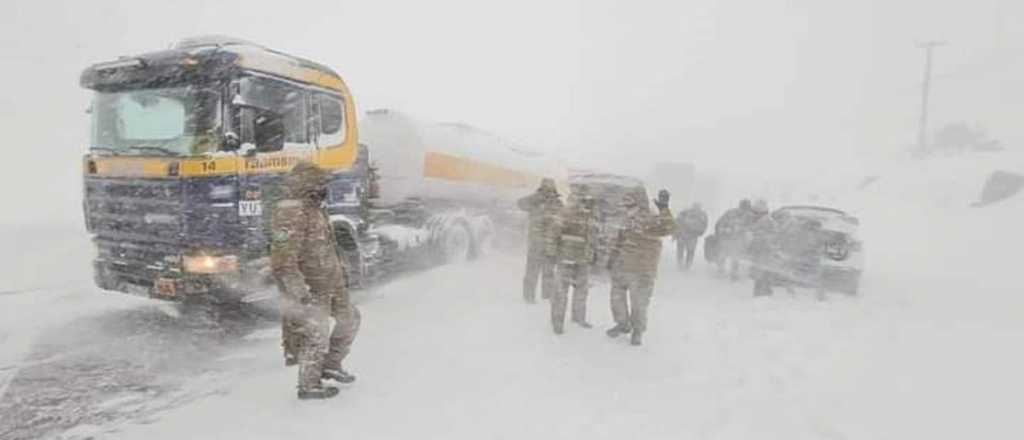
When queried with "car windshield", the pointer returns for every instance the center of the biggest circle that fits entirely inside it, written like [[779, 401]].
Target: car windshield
[[175, 121]]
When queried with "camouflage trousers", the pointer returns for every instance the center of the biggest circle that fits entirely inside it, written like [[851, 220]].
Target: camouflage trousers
[[312, 341], [630, 296], [577, 277], [539, 266], [685, 248], [347, 320]]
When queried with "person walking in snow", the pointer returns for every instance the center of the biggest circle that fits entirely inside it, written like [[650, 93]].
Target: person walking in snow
[[731, 237], [311, 278], [690, 226]]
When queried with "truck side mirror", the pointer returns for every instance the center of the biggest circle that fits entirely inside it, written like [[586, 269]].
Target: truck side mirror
[[231, 141], [373, 182]]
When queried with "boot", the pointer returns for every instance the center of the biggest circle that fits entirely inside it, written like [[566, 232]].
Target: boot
[[619, 329], [338, 375], [582, 323], [558, 328], [322, 392], [636, 339]]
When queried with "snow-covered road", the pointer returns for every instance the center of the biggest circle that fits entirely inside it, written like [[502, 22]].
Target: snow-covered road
[[454, 353], [931, 349]]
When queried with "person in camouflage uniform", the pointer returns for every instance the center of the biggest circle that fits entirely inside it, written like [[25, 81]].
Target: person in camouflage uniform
[[311, 278], [574, 250], [690, 226], [634, 262], [543, 207], [730, 235], [765, 250]]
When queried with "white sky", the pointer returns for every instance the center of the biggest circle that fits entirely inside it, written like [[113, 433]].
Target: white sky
[[755, 85]]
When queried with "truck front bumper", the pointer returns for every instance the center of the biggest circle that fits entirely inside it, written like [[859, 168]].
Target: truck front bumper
[[156, 272]]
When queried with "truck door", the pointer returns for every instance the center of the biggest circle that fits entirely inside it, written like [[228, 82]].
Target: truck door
[[275, 135]]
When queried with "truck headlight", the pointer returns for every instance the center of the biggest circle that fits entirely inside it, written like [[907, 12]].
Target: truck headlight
[[210, 264]]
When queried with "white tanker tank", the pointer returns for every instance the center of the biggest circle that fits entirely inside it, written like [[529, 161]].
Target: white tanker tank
[[447, 161], [440, 193]]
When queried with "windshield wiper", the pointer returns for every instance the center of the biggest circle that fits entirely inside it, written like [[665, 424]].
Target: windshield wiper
[[163, 150], [112, 151]]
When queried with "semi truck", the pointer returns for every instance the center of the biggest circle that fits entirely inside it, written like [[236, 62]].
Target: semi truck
[[189, 145]]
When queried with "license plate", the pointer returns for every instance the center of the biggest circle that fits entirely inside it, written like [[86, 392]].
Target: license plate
[[166, 287], [250, 208]]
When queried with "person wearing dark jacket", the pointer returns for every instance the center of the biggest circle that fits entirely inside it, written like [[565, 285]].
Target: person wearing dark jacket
[[690, 226]]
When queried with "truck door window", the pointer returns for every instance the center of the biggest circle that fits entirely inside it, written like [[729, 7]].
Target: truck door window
[[271, 109], [332, 120]]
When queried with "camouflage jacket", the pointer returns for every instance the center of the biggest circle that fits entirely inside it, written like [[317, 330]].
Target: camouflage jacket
[[765, 239], [636, 248], [733, 222], [543, 223], [304, 256], [692, 223], [577, 235]]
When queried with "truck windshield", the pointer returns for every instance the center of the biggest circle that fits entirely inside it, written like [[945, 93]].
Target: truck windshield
[[175, 121]]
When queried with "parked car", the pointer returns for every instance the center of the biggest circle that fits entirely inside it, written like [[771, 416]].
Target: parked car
[[842, 256]]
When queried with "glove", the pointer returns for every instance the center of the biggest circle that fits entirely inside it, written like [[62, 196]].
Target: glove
[[662, 201]]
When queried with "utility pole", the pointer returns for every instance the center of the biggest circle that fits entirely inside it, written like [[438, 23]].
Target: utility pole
[[922, 127]]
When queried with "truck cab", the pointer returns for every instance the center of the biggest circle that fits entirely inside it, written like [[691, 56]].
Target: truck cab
[[187, 147]]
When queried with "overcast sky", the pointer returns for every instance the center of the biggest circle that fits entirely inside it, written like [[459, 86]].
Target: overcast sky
[[753, 85]]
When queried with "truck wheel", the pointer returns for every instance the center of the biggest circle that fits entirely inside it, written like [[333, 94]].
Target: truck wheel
[[457, 243]]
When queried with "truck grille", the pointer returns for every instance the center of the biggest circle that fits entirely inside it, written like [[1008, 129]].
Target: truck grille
[[139, 210]]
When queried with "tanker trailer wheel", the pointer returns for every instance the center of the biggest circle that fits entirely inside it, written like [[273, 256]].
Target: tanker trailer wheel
[[457, 242]]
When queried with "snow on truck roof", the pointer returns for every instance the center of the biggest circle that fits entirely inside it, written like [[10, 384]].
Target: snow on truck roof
[[207, 58]]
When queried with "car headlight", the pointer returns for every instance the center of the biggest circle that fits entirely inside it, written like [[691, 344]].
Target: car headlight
[[210, 264]]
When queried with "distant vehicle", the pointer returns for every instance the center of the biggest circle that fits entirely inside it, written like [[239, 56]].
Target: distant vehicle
[[189, 146], [842, 258], [608, 191]]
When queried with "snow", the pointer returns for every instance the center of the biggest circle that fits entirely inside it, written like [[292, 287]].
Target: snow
[[404, 236], [929, 350]]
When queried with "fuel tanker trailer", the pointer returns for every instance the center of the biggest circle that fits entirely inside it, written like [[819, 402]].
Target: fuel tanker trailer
[[434, 193]]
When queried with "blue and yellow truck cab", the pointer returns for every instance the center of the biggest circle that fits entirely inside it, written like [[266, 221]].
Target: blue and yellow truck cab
[[186, 148]]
